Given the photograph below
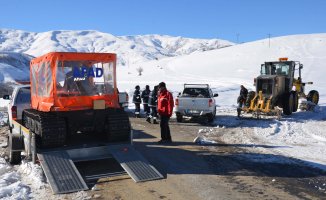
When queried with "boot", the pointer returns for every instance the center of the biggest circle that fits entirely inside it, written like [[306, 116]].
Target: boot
[[148, 119]]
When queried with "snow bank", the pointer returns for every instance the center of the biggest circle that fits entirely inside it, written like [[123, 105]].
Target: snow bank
[[11, 186]]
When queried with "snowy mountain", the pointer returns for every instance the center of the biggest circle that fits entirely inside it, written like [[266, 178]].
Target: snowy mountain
[[302, 134], [14, 66], [130, 49], [227, 68]]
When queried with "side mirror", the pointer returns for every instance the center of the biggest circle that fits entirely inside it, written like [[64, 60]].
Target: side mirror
[[301, 66], [215, 95], [7, 97]]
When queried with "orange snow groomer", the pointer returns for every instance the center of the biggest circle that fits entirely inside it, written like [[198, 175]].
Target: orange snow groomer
[[75, 92]]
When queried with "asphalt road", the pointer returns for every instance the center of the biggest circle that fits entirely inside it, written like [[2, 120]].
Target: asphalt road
[[215, 171], [193, 171]]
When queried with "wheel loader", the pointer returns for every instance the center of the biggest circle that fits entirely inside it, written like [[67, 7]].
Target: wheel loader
[[74, 97], [279, 89]]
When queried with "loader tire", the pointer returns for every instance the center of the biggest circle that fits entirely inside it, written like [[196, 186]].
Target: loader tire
[[313, 96], [118, 126], [295, 101], [288, 104]]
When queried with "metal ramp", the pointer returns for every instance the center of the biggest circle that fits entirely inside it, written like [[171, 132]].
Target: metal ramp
[[61, 172], [64, 177], [138, 168]]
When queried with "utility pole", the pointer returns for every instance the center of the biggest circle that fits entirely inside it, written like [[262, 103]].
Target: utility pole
[[269, 40]]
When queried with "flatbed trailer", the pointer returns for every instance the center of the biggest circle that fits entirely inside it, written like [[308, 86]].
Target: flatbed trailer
[[59, 166]]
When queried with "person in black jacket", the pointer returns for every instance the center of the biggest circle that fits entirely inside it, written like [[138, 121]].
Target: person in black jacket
[[137, 101], [145, 98], [242, 98], [152, 102]]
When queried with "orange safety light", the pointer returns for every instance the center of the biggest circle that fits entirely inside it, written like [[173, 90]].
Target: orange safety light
[[283, 59]]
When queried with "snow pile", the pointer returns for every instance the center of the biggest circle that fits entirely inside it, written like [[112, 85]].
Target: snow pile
[[11, 186], [204, 137], [4, 103], [32, 173], [304, 132], [3, 118], [80, 195]]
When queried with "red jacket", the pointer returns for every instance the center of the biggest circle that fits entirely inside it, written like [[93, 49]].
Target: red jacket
[[165, 103]]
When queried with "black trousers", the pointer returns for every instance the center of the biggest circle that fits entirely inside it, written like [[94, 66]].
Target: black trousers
[[154, 112], [137, 109], [165, 129], [147, 110]]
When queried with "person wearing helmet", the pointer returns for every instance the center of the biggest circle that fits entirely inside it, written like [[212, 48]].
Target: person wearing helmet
[[145, 98], [137, 101]]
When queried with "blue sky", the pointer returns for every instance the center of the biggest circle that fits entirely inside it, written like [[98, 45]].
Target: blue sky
[[234, 20]]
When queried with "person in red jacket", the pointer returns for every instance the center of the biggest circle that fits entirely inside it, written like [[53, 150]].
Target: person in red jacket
[[165, 105]]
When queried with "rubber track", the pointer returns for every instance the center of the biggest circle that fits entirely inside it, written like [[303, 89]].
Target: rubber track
[[118, 126], [49, 128]]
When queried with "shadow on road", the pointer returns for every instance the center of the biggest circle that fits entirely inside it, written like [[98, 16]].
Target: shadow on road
[[169, 159]]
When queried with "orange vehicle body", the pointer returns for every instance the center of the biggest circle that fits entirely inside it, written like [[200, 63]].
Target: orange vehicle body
[[46, 95]]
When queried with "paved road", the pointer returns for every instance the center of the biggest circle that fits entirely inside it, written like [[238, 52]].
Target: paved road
[[217, 171]]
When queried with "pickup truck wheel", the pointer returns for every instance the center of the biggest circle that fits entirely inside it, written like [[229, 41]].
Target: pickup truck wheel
[[210, 117], [14, 156], [179, 118]]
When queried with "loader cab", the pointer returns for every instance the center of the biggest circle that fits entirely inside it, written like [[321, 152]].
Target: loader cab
[[278, 68], [280, 75]]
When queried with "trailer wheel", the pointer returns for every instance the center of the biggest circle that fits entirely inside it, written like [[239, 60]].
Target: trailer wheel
[[14, 142], [313, 96], [295, 101], [288, 104], [179, 118]]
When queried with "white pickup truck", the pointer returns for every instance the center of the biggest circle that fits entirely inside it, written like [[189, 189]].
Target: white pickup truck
[[19, 101], [196, 100], [123, 99]]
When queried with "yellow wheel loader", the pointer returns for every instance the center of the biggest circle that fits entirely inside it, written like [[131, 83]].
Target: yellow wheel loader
[[277, 90]]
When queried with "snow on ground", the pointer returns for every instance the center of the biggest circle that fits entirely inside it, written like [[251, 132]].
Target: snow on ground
[[299, 136], [226, 69], [11, 186], [3, 111]]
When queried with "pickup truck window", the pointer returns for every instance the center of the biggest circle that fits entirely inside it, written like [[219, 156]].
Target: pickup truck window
[[23, 96], [196, 92]]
